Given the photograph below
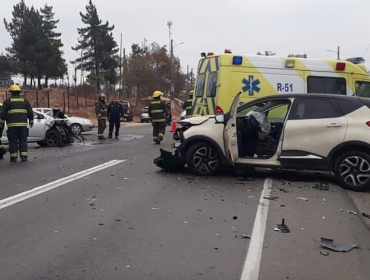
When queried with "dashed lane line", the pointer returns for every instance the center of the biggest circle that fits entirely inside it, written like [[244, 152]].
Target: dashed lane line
[[56, 184]]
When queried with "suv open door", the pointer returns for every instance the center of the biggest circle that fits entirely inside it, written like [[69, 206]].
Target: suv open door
[[230, 133]]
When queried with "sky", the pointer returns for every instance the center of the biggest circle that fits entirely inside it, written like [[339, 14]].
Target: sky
[[244, 26]]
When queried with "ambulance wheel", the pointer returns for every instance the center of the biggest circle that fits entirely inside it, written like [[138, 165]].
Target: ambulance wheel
[[203, 159]]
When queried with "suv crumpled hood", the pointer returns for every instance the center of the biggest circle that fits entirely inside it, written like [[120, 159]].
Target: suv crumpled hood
[[196, 120]]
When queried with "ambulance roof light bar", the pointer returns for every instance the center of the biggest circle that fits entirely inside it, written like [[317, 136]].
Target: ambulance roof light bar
[[227, 51], [356, 60]]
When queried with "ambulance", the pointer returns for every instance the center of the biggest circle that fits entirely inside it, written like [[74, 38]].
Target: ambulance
[[221, 77]]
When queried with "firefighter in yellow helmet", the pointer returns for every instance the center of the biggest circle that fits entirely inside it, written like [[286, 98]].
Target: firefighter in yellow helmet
[[2, 150], [188, 104], [17, 113], [158, 111]]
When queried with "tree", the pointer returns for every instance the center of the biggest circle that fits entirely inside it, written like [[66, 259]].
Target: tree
[[55, 65], [98, 47], [35, 50]]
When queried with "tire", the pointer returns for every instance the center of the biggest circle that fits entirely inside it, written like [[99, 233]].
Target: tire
[[352, 171], [52, 138], [203, 159], [141, 121], [76, 128]]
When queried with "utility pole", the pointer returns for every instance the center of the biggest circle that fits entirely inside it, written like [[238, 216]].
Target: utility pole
[[338, 53], [170, 45], [120, 70]]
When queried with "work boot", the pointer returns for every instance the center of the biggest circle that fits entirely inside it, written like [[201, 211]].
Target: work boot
[[157, 142], [24, 159], [116, 137], [102, 138], [109, 137], [13, 159]]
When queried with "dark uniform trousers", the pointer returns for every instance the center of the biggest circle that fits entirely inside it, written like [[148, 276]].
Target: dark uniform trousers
[[17, 137], [102, 124], [159, 129], [114, 123], [2, 150]]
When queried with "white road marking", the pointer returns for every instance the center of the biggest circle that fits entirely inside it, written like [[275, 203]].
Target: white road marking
[[56, 184], [252, 261]]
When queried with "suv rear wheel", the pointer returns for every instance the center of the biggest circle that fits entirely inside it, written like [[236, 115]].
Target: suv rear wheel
[[203, 159], [352, 170]]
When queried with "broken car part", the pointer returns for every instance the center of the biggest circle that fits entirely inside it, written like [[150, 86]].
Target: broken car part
[[328, 243]]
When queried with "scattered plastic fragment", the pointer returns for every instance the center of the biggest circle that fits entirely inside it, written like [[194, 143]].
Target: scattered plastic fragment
[[248, 179], [352, 212], [323, 217], [118, 220], [251, 196], [274, 198], [284, 190], [235, 217], [153, 208], [321, 186], [283, 228], [302, 198], [246, 236], [185, 222], [324, 253], [200, 210], [366, 215], [328, 243], [126, 178], [101, 224]]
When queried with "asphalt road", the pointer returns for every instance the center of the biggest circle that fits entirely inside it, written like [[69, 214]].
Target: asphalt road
[[132, 221]]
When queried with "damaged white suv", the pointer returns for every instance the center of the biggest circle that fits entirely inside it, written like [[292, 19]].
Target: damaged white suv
[[291, 131]]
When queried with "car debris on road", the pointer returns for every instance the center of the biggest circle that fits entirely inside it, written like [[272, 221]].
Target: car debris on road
[[329, 244]]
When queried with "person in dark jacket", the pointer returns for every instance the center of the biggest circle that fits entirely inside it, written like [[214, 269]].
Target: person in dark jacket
[[17, 113], [188, 104], [158, 111], [115, 113], [2, 150], [101, 114]]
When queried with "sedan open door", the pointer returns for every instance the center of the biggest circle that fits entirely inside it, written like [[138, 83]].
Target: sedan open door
[[230, 132]]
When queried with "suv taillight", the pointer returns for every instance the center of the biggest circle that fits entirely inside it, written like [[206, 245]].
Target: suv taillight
[[368, 123]]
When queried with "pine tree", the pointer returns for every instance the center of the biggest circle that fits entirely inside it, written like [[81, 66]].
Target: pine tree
[[55, 64], [98, 46]]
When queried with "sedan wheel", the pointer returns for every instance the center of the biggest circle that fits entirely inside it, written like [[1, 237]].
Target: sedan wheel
[[203, 159], [76, 128], [52, 138], [352, 170]]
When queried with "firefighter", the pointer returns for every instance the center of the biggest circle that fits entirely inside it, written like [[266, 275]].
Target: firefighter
[[2, 150], [16, 112], [101, 114], [115, 113], [158, 111], [188, 104]]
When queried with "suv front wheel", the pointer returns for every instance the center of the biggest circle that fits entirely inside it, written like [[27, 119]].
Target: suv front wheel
[[352, 170], [203, 159]]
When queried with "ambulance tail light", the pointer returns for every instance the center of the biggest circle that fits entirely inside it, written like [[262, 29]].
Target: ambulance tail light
[[219, 111], [237, 60], [227, 51], [340, 66], [368, 123]]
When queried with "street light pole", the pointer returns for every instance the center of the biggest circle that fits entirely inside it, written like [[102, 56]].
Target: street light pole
[[337, 52]]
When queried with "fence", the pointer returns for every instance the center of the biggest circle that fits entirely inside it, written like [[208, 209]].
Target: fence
[[64, 99]]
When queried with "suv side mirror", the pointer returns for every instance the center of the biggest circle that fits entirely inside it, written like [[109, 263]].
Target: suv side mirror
[[220, 118]]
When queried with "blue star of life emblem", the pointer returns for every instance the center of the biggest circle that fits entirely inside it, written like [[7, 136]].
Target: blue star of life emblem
[[251, 85]]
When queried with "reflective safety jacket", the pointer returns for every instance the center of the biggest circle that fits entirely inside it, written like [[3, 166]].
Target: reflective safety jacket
[[188, 105], [158, 111], [16, 112], [101, 110]]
